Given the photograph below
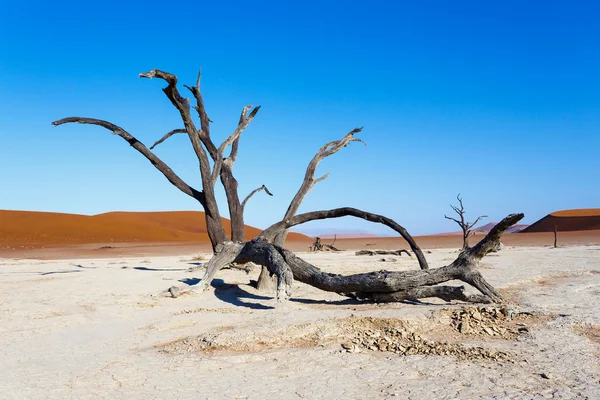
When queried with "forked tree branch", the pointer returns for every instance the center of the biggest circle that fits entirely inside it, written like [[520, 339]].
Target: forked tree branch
[[245, 120], [204, 120], [140, 147], [309, 177], [472, 224], [183, 106], [271, 232], [225, 169], [252, 193]]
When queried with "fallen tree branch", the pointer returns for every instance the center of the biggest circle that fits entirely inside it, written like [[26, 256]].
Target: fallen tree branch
[[382, 252], [272, 231], [384, 286]]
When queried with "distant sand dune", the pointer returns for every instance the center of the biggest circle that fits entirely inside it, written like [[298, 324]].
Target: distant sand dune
[[585, 219], [36, 229]]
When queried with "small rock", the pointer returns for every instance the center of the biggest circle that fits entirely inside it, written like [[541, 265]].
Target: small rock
[[545, 375], [488, 330], [174, 291], [347, 346], [463, 327]]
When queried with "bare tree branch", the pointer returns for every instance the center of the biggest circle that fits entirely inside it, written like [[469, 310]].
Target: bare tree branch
[[450, 218], [183, 106], [217, 232], [245, 119], [168, 135], [271, 232], [309, 177], [140, 147], [472, 224], [252, 193], [200, 108], [228, 181]]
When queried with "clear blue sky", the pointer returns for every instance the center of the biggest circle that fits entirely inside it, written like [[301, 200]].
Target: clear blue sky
[[499, 101]]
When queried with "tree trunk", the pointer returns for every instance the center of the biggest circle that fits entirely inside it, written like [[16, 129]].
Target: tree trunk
[[465, 244], [236, 211]]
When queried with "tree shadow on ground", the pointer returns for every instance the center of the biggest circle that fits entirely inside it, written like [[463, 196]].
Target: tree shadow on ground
[[232, 294], [343, 302], [154, 269], [60, 272], [354, 302]]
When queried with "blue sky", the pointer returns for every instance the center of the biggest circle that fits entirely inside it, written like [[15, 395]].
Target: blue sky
[[499, 101]]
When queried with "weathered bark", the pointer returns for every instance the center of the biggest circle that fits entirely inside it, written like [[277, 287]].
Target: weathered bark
[[280, 226], [464, 225], [257, 252], [382, 285], [215, 228], [382, 252]]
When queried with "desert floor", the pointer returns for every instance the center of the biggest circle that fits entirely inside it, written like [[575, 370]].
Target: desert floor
[[100, 328]]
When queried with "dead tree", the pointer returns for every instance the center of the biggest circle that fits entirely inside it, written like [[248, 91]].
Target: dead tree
[[555, 236], [464, 225], [267, 248], [318, 246]]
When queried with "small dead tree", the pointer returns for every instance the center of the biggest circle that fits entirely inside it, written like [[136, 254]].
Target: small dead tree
[[464, 225], [319, 246], [555, 236], [266, 249]]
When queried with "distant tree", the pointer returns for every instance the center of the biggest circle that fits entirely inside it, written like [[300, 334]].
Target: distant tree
[[464, 225], [555, 235], [266, 249]]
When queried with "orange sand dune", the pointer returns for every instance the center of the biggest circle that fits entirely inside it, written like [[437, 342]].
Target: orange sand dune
[[39, 229], [581, 212], [585, 219]]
